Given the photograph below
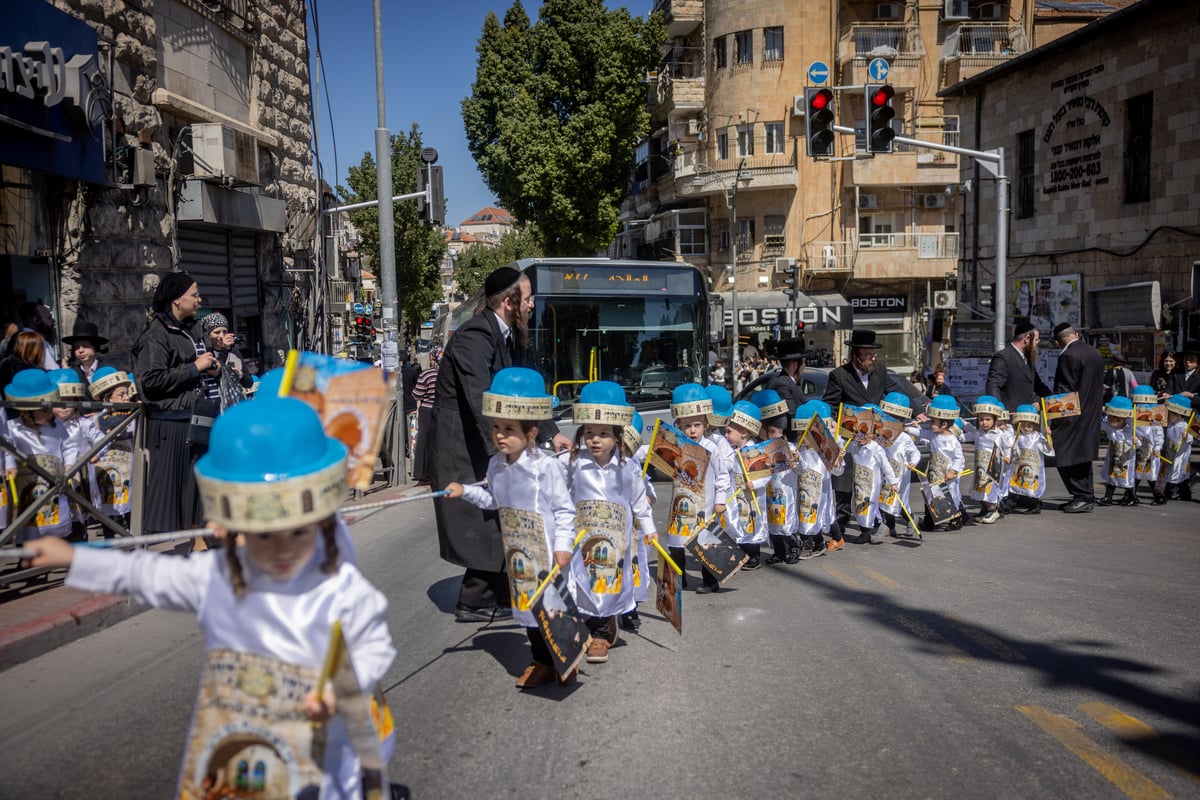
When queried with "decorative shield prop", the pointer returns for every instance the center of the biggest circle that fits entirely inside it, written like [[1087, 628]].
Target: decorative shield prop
[[713, 548], [565, 632]]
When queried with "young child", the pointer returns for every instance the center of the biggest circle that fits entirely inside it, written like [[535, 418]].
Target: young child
[[608, 492], [811, 477], [1148, 443], [726, 458], [529, 488], [828, 512], [1027, 483], [114, 471], [278, 594], [873, 476], [690, 407], [631, 437], [83, 433], [902, 454], [945, 455], [780, 490], [39, 438], [1177, 450], [1118, 463], [741, 516], [991, 443]]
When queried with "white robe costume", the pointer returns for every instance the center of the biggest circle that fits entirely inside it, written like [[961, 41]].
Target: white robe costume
[[1149, 442], [945, 453], [781, 501], [1119, 461], [56, 452], [827, 513], [988, 443], [289, 620], [811, 478], [641, 579], [901, 455], [872, 473], [1028, 478], [1176, 437]]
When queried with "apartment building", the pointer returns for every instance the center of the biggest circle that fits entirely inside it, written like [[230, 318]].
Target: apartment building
[[818, 247]]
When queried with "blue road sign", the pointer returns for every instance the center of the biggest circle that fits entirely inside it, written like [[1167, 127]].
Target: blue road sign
[[878, 69], [818, 73], [358, 308], [368, 309]]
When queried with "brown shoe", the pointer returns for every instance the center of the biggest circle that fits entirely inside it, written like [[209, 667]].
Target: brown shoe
[[536, 674], [597, 652]]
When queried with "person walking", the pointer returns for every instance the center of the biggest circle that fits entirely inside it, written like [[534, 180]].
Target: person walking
[[1119, 381], [467, 535], [1076, 440], [1012, 377]]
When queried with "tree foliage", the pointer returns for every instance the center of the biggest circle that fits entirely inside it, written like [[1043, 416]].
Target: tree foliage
[[419, 248], [555, 112], [476, 263]]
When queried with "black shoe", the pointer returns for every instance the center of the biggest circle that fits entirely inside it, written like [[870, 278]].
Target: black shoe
[[464, 614], [1104, 501], [502, 612], [1129, 500], [794, 555], [1082, 506], [709, 588], [752, 564], [819, 549], [630, 622], [774, 559], [1159, 500]]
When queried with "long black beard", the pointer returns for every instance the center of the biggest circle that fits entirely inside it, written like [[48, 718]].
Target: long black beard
[[1031, 354]]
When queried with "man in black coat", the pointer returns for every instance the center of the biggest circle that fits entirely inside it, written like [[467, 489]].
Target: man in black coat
[[858, 383], [461, 438], [1077, 439], [1011, 376], [1187, 382], [787, 381]]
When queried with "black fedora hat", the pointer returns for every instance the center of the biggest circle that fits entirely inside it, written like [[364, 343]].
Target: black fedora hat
[[85, 330], [864, 338], [790, 349]]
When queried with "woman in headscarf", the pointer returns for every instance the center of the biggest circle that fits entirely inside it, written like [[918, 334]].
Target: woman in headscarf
[[176, 378], [235, 380]]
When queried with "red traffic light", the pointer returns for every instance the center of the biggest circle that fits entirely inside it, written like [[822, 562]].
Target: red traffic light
[[882, 96], [820, 100]]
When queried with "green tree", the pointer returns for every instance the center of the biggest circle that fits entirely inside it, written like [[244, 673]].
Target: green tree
[[555, 112], [476, 263], [419, 248]]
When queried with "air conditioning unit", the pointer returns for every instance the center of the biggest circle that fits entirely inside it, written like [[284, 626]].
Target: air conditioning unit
[[693, 127], [888, 11], [933, 200], [784, 265], [991, 11], [224, 153], [944, 299], [798, 106], [868, 201], [956, 9]]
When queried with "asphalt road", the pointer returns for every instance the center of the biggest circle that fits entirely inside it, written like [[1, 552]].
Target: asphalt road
[[1045, 656]]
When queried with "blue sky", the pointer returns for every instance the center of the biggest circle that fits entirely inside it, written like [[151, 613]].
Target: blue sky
[[429, 61]]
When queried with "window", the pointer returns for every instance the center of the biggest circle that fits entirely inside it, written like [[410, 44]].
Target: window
[[772, 44], [743, 42], [722, 146], [692, 231], [773, 238], [722, 236], [745, 237], [745, 140], [1025, 193], [1139, 119], [774, 137], [877, 230], [720, 56]]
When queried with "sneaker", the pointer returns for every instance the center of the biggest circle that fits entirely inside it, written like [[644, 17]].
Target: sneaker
[[1105, 501], [709, 588], [1129, 500], [990, 517], [818, 549], [752, 564], [835, 545], [631, 621], [773, 559], [1159, 500], [536, 674], [807, 551], [597, 652], [794, 555], [877, 537]]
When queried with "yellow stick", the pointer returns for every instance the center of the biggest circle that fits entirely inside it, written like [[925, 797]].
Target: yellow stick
[[289, 372], [554, 570], [650, 449], [914, 469], [911, 521], [746, 472], [333, 656], [838, 429], [662, 553], [1046, 423]]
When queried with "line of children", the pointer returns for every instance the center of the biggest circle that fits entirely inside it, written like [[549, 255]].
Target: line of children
[[1027, 481], [993, 448]]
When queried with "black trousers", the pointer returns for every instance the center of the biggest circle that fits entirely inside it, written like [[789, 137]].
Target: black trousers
[[601, 627], [752, 550], [1078, 480], [484, 589]]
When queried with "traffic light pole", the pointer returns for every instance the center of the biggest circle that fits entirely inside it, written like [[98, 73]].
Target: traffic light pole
[[993, 162]]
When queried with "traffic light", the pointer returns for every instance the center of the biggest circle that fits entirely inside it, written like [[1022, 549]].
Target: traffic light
[[986, 293], [433, 212], [880, 113], [789, 282], [818, 121]]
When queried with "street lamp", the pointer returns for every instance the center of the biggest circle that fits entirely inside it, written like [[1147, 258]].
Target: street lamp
[[730, 194]]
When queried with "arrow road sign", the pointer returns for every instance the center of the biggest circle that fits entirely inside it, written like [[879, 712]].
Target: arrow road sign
[[878, 69], [818, 73]]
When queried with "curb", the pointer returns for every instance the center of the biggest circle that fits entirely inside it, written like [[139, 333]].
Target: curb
[[39, 636]]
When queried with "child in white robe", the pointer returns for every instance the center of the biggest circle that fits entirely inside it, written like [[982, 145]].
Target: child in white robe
[[40, 439], [945, 456], [1175, 471], [1119, 461], [993, 446], [631, 437], [746, 525], [902, 454], [1148, 442], [1027, 482], [873, 474], [690, 407], [780, 489]]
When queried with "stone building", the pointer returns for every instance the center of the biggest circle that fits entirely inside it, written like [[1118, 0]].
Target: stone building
[[152, 135], [1101, 132], [850, 241]]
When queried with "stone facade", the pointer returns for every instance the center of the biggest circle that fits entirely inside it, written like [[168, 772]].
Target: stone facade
[[176, 63]]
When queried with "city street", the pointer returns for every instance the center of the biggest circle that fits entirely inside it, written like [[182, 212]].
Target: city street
[[1045, 656]]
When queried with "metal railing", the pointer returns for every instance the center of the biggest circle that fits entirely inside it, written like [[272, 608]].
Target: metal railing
[[995, 41], [930, 244], [881, 40]]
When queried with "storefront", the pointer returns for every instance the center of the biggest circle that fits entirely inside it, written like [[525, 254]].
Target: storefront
[[766, 317], [889, 316]]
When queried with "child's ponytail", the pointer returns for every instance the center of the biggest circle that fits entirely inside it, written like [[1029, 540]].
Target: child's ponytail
[[329, 534], [235, 567]]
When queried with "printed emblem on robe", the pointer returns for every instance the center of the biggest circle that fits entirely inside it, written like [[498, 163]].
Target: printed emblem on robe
[[989, 466], [31, 487], [1025, 471], [864, 482], [525, 555], [808, 496], [939, 465], [113, 472], [605, 547], [1145, 452], [886, 495], [776, 506], [1118, 459]]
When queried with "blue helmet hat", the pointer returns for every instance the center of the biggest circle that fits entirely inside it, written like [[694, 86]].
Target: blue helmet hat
[[986, 404], [944, 407], [690, 400], [804, 414], [769, 403], [133, 392], [1120, 407], [1178, 404], [746, 415], [631, 433], [603, 402], [897, 404], [959, 429], [105, 379], [518, 393], [722, 404], [270, 466], [270, 382], [1144, 396], [70, 385], [823, 409], [30, 388], [1027, 413]]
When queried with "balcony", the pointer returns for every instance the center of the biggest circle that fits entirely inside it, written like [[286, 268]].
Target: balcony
[[681, 16], [909, 165], [887, 256], [766, 171], [973, 47], [680, 84], [900, 44]]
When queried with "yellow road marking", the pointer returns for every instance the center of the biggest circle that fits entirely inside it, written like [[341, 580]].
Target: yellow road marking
[[877, 576], [985, 640], [930, 636], [1124, 777], [843, 577], [1134, 729]]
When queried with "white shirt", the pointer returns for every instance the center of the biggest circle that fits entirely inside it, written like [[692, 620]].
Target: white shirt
[[505, 328]]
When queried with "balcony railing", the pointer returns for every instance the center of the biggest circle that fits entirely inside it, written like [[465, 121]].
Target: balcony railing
[[993, 41], [928, 244], [947, 133], [865, 41]]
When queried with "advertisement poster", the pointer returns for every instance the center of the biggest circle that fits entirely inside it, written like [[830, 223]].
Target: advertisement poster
[[1048, 302]]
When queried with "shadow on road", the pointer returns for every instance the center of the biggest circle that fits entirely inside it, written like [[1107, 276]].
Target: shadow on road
[[444, 593]]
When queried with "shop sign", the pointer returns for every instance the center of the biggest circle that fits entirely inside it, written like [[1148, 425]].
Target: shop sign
[[821, 318], [880, 304]]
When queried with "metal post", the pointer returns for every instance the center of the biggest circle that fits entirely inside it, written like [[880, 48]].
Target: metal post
[[733, 271], [387, 227], [1000, 294]]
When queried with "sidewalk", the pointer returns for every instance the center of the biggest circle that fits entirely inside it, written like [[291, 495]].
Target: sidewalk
[[36, 618]]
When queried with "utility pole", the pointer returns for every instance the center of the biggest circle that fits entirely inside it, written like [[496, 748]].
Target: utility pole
[[390, 349]]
